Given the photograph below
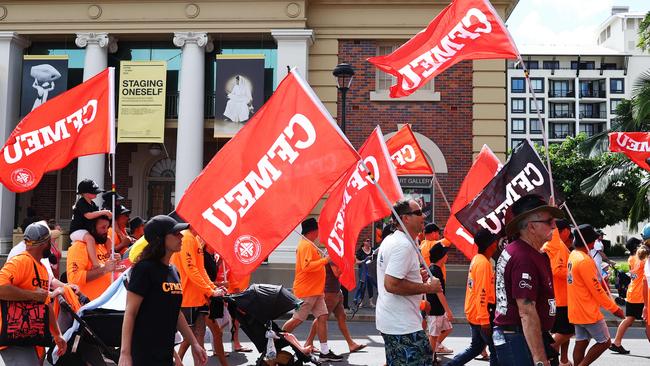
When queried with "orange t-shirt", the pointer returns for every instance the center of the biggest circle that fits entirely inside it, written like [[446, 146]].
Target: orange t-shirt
[[310, 271], [558, 254], [585, 294], [196, 283], [79, 264], [425, 246], [117, 240], [19, 272], [480, 290], [635, 289]]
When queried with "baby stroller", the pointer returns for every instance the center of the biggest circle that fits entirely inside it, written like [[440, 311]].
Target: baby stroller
[[256, 309], [94, 332]]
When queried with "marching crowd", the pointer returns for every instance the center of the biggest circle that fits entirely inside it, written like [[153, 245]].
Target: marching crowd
[[545, 288]]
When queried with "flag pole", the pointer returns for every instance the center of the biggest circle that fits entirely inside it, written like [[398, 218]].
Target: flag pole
[[113, 215], [539, 118], [444, 197]]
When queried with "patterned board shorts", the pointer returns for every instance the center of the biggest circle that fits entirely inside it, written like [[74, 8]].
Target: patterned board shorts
[[411, 349]]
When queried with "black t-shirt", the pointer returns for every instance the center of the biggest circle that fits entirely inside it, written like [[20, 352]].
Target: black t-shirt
[[79, 221], [155, 324], [210, 265], [436, 306]]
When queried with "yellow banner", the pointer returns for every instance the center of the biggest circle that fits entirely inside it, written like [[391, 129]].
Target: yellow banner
[[141, 107]]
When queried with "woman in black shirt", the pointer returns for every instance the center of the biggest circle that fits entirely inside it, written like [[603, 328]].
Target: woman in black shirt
[[154, 299]]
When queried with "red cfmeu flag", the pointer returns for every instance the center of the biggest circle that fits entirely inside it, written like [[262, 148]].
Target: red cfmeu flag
[[464, 30], [76, 123], [636, 145], [485, 167], [356, 202], [268, 177], [406, 154]]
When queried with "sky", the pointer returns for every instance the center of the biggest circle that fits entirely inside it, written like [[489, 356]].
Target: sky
[[535, 22]]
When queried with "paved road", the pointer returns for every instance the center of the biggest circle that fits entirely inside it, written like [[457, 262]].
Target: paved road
[[373, 355]]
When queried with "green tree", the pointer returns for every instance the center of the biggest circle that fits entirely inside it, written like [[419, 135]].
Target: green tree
[[644, 33], [570, 167]]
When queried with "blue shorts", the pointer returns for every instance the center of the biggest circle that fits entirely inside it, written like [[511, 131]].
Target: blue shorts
[[598, 331], [411, 349]]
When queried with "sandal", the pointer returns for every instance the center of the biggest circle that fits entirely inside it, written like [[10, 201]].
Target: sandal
[[243, 349], [358, 348], [442, 350]]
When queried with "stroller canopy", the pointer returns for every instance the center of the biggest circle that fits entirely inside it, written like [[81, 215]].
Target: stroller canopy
[[265, 302]]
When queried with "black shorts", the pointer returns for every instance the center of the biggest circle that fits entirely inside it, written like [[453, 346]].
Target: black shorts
[[562, 324], [634, 309], [192, 313]]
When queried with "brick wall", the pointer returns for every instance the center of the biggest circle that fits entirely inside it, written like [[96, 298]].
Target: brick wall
[[448, 122]]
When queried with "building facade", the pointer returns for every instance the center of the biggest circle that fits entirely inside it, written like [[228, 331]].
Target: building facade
[[453, 117], [577, 88]]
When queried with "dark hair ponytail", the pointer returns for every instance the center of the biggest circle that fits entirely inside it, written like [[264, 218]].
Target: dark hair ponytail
[[155, 250]]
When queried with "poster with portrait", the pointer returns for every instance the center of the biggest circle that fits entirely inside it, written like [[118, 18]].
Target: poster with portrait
[[44, 77], [239, 91]]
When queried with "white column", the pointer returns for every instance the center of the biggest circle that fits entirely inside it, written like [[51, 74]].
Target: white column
[[97, 47], [189, 133], [11, 60], [293, 50]]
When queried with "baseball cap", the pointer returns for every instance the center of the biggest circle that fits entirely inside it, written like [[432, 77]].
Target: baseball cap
[[562, 224], [37, 233], [136, 222], [161, 225], [88, 186]]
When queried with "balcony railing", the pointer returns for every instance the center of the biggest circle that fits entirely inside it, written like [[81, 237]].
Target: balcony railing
[[561, 114], [593, 94], [171, 106], [593, 114], [561, 94]]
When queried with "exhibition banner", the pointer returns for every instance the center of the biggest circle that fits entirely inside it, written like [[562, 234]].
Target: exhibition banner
[[141, 107]]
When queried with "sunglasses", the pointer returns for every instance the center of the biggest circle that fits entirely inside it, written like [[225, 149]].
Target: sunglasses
[[415, 213], [548, 222]]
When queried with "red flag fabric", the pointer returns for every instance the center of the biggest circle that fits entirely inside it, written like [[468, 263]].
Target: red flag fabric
[[464, 30], [406, 154], [267, 178], [76, 123], [636, 145], [485, 167], [355, 203]]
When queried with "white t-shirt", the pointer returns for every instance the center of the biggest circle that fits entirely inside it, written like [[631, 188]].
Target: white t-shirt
[[598, 246], [21, 247], [396, 314]]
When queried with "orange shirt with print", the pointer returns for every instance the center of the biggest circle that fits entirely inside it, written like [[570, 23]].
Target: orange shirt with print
[[585, 294], [79, 264], [310, 271], [196, 283], [480, 290], [558, 253], [635, 289], [19, 272]]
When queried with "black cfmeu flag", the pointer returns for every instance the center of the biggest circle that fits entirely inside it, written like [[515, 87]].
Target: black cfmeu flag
[[524, 173]]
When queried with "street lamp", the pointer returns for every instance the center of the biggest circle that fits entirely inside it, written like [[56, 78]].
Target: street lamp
[[344, 73]]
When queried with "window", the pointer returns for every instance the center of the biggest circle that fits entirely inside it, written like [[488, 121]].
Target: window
[[550, 65], [515, 142], [591, 129], [538, 84], [536, 125], [616, 86], [608, 32], [518, 105], [560, 89], [613, 105], [540, 105], [517, 85], [518, 125], [383, 81], [532, 65], [585, 65], [608, 66], [561, 130], [560, 110]]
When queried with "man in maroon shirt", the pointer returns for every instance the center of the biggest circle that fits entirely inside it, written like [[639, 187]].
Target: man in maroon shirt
[[525, 309]]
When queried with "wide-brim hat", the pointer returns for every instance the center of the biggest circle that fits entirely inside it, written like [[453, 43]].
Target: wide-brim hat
[[526, 206]]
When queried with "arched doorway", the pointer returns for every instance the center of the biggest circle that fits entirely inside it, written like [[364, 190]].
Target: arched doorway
[[160, 187]]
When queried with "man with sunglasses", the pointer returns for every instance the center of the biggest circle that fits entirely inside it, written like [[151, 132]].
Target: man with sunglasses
[[401, 283], [525, 309]]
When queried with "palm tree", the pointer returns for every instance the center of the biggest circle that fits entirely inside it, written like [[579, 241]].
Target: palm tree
[[631, 115]]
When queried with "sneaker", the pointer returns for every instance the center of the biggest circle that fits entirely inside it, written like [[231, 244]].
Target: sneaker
[[330, 356], [618, 349]]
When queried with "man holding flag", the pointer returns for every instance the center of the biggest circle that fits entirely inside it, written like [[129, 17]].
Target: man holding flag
[[401, 284]]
